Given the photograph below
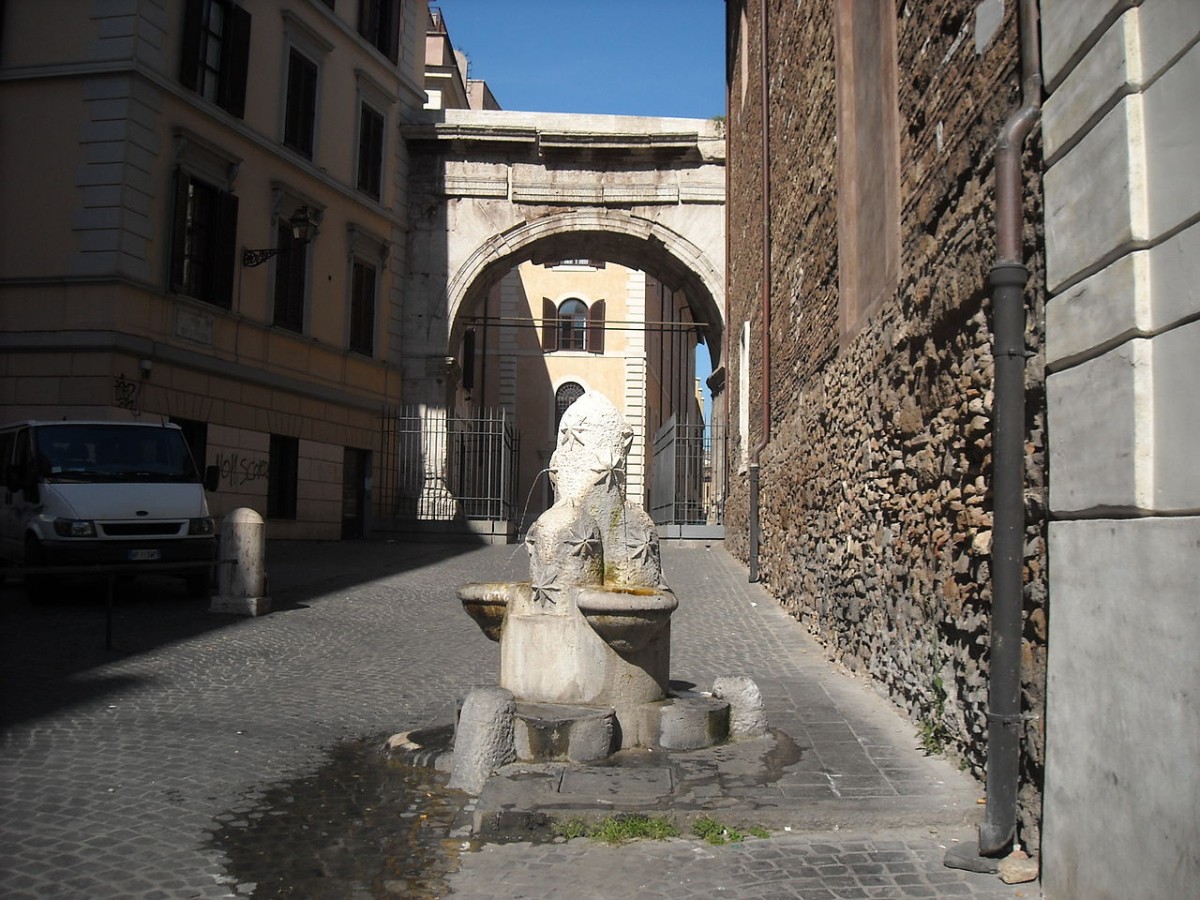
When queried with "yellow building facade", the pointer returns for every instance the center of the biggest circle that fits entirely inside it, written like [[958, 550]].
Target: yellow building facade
[[549, 332], [150, 150]]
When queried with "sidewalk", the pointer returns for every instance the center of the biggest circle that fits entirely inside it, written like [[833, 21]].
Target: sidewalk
[[854, 807], [208, 756]]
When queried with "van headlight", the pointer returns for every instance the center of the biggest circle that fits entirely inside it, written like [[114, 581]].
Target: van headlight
[[75, 528], [203, 525]]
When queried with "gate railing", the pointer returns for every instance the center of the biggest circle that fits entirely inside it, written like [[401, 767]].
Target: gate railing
[[440, 467], [685, 475]]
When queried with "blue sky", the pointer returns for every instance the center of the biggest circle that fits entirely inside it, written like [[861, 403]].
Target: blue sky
[[624, 57]]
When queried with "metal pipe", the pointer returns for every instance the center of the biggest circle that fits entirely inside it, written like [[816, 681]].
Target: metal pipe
[[1007, 279], [764, 295]]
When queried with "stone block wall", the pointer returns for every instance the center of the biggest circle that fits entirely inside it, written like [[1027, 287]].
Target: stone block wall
[[875, 507]]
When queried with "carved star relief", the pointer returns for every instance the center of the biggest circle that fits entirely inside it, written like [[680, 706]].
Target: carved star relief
[[609, 471], [571, 436], [582, 542], [641, 546], [545, 589]]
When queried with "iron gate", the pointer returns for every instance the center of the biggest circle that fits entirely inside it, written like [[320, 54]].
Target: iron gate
[[439, 467], [685, 476]]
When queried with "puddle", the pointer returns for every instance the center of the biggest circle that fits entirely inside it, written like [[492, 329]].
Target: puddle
[[362, 826]]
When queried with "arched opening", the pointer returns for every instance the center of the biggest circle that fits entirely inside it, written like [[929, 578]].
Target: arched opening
[[616, 311]]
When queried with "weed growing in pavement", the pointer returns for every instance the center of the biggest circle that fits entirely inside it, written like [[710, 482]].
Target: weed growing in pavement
[[935, 735], [619, 829], [709, 829]]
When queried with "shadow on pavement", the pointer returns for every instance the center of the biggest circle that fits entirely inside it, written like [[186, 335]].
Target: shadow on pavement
[[48, 650]]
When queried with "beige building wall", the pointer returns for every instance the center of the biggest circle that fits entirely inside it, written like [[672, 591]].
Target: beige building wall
[[647, 368], [97, 122]]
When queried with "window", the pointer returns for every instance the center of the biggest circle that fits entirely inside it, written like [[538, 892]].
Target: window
[[362, 307], [216, 52], [283, 469], [203, 241], [572, 325], [868, 159], [379, 23], [291, 269], [300, 117], [566, 394], [370, 151]]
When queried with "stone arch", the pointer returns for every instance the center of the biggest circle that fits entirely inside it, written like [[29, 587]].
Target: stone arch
[[614, 235]]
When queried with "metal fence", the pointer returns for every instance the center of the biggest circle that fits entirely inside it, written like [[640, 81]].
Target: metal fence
[[684, 477], [440, 467]]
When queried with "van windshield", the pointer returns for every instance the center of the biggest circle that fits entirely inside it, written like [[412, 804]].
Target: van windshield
[[99, 452]]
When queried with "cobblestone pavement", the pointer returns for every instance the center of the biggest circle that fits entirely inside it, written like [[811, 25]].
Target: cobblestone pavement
[[199, 748]]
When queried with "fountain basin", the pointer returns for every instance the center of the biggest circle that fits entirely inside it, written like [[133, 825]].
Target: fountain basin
[[627, 618], [488, 602]]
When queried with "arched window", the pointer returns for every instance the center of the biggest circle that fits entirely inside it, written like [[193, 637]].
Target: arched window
[[572, 325], [566, 394]]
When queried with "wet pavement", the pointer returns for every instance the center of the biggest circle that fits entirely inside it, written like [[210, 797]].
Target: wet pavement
[[210, 756]]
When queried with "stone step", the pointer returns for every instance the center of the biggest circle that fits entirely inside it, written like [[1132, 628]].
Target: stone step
[[543, 732], [688, 721]]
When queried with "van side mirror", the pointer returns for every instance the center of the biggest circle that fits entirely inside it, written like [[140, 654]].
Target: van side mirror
[[212, 478]]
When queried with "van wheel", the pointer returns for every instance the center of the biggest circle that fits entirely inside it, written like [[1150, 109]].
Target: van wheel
[[199, 584], [38, 588]]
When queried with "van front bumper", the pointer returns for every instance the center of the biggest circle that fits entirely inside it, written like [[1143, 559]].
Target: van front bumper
[[202, 552]]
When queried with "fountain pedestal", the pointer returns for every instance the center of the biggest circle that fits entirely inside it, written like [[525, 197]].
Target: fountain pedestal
[[591, 631]]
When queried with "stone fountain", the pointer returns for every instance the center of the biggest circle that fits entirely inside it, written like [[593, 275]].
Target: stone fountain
[[585, 645]]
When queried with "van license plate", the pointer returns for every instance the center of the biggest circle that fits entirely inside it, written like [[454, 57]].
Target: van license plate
[[144, 555]]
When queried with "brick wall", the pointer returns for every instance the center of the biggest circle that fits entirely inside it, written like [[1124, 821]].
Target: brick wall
[[875, 511]]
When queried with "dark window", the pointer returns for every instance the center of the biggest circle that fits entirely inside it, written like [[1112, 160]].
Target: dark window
[[203, 241], [567, 394], [362, 308], [291, 264], [282, 477], [572, 325], [300, 118], [216, 52], [370, 151], [379, 23]]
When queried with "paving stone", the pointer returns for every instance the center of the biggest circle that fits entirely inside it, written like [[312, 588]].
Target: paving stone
[[119, 767]]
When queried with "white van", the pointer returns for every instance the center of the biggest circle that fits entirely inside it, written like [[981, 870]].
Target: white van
[[104, 497]]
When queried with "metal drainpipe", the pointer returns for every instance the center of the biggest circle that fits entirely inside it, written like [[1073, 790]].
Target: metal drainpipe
[[1007, 278], [764, 294]]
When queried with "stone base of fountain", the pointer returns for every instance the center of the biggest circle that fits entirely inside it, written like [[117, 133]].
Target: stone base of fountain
[[585, 644]]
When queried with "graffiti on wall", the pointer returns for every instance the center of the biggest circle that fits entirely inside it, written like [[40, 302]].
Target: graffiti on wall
[[125, 393], [238, 470]]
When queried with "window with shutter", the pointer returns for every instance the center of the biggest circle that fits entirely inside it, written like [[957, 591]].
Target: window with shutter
[[379, 23], [549, 325], [203, 241], [291, 264], [215, 59], [370, 151], [300, 116], [595, 328], [362, 308]]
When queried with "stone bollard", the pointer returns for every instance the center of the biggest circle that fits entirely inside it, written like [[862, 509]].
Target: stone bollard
[[747, 714], [242, 565], [484, 739]]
